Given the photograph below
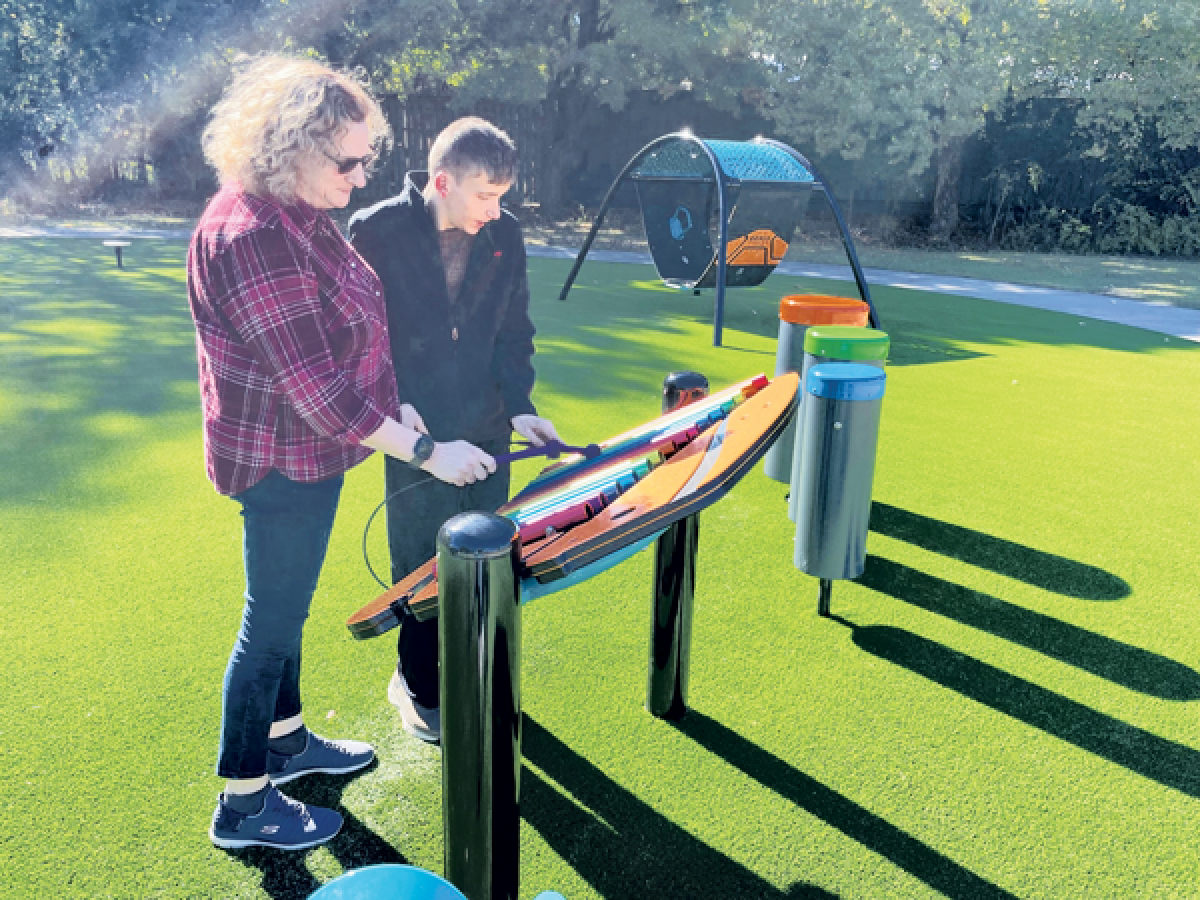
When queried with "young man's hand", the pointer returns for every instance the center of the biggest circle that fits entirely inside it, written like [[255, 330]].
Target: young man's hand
[[535, 429]]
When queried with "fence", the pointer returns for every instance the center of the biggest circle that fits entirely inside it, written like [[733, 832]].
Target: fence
[[415, 120]]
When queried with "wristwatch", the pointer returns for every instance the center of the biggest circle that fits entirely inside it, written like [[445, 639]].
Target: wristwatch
[[422, 450]]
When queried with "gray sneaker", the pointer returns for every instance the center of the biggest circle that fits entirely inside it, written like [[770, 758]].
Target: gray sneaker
[[283, 823], [419, 721], [319, 755]]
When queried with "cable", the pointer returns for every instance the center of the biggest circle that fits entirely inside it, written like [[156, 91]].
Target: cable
[[366, 530]]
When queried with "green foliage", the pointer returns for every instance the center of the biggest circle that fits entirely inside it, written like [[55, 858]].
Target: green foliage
[[891, 88], [889, 81], [1111, 228]]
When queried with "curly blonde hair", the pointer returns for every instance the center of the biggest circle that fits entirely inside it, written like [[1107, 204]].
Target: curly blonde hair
[[281, 114]]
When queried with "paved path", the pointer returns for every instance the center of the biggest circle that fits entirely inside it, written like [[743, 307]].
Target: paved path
[[97, 231], [1162, 318]]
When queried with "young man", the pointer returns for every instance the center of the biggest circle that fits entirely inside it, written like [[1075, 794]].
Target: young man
[[452, 264]]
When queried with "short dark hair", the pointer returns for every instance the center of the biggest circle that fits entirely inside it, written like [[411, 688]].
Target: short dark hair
[[471, 145]]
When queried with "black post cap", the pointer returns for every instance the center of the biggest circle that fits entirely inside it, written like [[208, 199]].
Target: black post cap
[[477, 535]]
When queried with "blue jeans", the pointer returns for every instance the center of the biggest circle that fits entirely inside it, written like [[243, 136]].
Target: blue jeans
[[286, 528]]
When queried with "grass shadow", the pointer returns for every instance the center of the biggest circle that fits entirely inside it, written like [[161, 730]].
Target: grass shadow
[[285, 876], [876, 834], [617, 843], [91, 355], [1123, 664], [1033, 567], [1166, 762]]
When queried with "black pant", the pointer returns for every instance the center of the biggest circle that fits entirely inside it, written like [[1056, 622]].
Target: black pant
[[413, 521]]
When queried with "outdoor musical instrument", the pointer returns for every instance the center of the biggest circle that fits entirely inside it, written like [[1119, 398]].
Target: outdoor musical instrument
[[584, 514]]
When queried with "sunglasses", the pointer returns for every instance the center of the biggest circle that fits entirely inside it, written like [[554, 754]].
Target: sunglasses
[[346, 166]]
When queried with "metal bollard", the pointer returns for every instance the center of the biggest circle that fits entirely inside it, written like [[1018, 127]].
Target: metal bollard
[[674, 585], [832, 476], [479, 635], [682, 388]]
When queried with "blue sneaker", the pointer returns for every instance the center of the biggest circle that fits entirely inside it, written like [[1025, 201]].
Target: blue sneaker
[[284, 824], [320, 755]]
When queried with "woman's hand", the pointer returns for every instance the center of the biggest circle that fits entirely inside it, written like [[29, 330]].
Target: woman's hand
[[460, 463], [410, 418]]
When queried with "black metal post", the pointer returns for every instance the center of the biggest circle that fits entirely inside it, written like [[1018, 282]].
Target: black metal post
[[723, 211], [671, 629], [674, 586], [480, 677], [824, 597]]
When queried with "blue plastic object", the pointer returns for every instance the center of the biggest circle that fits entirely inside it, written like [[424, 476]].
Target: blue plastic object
[[752, 161], [388, 882], [845, 381], [532, 589], [739, 160]]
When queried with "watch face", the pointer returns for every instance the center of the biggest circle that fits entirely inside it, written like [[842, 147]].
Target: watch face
[[422, 449]]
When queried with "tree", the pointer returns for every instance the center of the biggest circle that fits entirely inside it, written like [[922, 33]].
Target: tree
[[906, 83], [902, 84], [568, 60], [1133, 66]]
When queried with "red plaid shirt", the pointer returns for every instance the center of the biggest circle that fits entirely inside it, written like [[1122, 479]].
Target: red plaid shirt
[[291, 334]]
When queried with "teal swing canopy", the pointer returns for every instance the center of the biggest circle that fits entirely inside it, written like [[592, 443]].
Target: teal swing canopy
[[720, 213]]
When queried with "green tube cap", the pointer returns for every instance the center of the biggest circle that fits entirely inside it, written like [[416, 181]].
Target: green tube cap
[[847, 342]]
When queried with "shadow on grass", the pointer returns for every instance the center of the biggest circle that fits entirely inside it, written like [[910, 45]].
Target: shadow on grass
[[1171, 764], [285, 875], [901, 849], [1041, 570], [91, 354], [1118, 662], [95, 357], [621, 846]]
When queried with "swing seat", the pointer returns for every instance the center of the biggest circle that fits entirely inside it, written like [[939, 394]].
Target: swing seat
[[678, 188]]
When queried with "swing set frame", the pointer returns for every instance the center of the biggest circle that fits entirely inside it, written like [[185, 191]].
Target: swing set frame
[[727, 183]]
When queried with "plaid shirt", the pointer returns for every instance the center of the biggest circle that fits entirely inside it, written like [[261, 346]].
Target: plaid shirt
[[291, 335]]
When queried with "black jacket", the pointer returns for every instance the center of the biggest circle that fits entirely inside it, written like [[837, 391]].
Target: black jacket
[[465, 363]]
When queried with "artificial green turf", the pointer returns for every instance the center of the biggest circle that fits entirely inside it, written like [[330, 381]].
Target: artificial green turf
[[1006, 704]]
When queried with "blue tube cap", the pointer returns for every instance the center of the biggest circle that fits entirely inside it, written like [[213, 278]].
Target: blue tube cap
[[845, 381]]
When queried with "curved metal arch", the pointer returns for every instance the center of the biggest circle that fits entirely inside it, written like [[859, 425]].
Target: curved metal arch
[[722, 205], [859, 278], [608, 198]]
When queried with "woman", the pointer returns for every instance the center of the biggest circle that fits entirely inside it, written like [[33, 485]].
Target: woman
[[297, 387]]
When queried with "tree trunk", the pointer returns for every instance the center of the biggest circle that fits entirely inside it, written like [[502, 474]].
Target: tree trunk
[[568, 107], [949, 180], [567, 111]]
